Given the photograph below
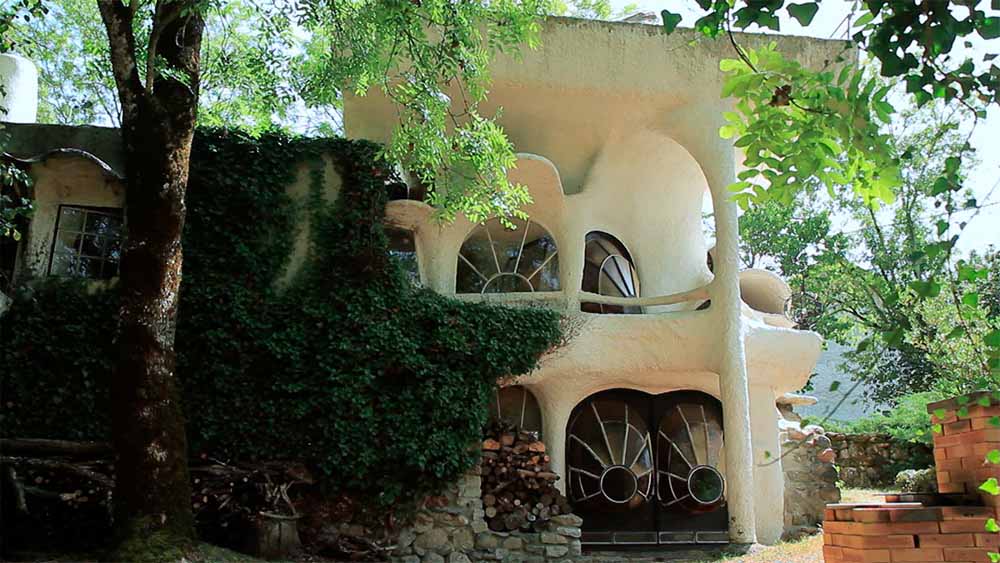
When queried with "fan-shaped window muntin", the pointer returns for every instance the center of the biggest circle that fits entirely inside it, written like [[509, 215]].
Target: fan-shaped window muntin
[[690, 451], [608, 270], [616, 464], [517, 406], [497, 259]]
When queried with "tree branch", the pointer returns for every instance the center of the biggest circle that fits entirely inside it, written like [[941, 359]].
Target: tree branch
[[118, 19]]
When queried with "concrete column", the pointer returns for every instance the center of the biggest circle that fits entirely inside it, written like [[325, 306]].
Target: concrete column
[[725, 293], [555, 418], [769, 481]]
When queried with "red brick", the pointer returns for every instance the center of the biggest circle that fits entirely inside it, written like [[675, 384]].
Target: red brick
[[844, 514], [965, 512], [829, 515], [950, 465], [947, 540], [949, 416], [866, 555], [982, 448], [982, 423], [961, 526], [878, 542], [963, 450], [915, 515], [920, 554], [966, 554], [973, 462], [940, 454], [988, 540], [957, 427], [871, 515], [830, 552]]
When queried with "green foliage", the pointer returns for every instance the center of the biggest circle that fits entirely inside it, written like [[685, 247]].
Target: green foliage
[[58, 355], [800, 127], [907, 421], [380, 387]]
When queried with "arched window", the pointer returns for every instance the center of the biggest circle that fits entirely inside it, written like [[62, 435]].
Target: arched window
[[608, 270], [496, 259], [518, 407]]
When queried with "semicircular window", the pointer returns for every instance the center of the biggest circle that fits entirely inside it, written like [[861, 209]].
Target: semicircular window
[[691, 460], [608, 270], [498, 259], [516, 406]]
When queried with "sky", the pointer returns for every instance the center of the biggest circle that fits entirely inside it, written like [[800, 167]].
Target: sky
[[983, 229]]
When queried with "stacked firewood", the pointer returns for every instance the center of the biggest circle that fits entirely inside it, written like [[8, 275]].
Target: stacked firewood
[[519, 490]]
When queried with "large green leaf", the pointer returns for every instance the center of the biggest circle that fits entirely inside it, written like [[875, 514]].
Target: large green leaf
[[803, 13]]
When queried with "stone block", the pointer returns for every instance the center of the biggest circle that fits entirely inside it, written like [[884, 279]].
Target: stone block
[[513, 543], [486, 540], [463, 539], [422, 522], [432, 558], [556, 550], [569, 531], [575, 548], [553, 538], [458, 557], [567, 520], [434, 539], [409, 559]]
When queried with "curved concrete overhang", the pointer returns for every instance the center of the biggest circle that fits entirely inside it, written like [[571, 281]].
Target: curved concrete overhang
[[782, 358], [764, 291], [71, 153]]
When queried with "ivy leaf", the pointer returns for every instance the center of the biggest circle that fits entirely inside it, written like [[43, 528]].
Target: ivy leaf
[[957, 332], [834, 386], [994, 557], [994, 421], [937, 429], [991, 524], [670, 21], [940, 413], [984, 401], [990, 486], [993, 457], [989, 28], [803, 13]]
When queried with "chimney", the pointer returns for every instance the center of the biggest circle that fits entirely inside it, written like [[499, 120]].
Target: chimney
[[19, 97]]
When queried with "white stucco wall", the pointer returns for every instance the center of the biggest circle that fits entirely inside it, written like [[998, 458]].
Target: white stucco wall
[[19, 94]]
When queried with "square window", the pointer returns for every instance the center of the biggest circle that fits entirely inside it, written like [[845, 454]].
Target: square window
[[87, 242]]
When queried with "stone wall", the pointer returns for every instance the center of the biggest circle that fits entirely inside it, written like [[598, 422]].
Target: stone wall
[[810, 476], [873, 460], [452, 528], [807, 462]]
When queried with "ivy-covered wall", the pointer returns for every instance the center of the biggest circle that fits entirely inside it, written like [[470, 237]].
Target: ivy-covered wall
[[379, 386]]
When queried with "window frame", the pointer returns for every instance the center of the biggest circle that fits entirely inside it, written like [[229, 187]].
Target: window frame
[[105, 210]]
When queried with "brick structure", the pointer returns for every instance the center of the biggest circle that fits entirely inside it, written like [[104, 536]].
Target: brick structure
[[948, 527]]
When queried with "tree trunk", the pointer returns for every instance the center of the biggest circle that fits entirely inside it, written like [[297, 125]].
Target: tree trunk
[[152, 491]]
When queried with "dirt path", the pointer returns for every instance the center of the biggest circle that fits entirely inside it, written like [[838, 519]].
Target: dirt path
[[807, 550]]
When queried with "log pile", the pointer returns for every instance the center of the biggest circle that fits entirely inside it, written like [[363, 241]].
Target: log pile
[[518, 487]]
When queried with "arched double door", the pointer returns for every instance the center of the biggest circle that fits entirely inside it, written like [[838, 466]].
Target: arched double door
[[648, 469]]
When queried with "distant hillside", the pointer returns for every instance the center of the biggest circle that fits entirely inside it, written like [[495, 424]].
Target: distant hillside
[[828, 370]]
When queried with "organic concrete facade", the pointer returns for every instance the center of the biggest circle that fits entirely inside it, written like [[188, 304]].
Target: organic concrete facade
[[617, 128]]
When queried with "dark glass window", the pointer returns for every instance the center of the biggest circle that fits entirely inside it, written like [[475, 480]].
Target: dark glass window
[[518, 407], [403, 248], [87, 242], [608, 270], [497, 259]]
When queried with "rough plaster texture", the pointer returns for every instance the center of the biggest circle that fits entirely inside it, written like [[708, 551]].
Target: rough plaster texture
[[63, 179], [19, 101]]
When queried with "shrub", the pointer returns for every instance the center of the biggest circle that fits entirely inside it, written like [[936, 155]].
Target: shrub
[[908, 421], [381, 387]]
